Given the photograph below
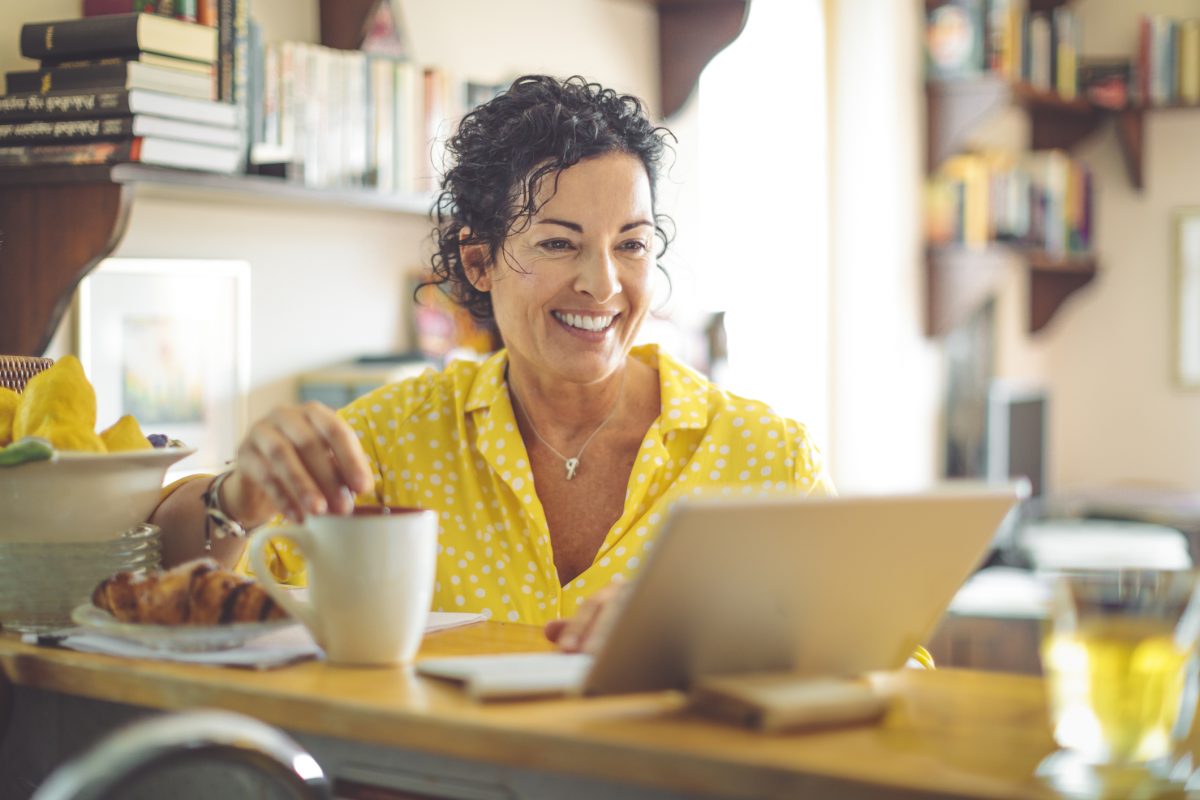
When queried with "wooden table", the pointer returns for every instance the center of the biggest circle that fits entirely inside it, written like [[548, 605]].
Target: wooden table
[[949, 733]]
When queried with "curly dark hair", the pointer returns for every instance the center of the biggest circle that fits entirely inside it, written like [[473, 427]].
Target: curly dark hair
[[505, 148]]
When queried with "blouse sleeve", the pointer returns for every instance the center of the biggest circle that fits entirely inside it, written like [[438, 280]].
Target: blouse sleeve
[[808, 466]]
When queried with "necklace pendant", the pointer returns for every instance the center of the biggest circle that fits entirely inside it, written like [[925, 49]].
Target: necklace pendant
[[572, 464]]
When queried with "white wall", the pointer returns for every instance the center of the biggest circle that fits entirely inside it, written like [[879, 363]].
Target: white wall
[[884, 390], [1116, 415], [327, 284]]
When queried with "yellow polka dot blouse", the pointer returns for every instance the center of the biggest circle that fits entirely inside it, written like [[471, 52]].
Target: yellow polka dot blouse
[[449, 442]]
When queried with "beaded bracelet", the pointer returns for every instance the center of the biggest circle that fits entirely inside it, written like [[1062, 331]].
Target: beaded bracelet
[[215, 517]]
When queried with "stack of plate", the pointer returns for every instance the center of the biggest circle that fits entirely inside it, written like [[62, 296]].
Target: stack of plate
[[40, 583]]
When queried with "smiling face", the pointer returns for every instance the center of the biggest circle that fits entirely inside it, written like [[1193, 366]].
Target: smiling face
[[572, 287]]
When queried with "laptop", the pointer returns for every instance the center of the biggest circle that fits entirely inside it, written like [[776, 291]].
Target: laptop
[[825, 586]]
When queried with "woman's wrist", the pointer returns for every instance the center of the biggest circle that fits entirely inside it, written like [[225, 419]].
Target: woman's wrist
[[243, 501]]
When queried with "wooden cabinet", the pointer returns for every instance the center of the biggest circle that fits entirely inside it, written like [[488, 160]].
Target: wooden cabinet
[[56, 224]]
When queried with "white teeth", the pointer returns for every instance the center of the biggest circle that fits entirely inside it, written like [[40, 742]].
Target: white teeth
[[585, 323]]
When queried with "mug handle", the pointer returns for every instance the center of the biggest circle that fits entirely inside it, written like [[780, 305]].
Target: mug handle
[[301, 610]]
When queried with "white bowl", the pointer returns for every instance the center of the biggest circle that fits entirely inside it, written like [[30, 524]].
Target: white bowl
[[82, 497]]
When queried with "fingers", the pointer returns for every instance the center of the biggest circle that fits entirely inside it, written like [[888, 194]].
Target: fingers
[[306, 460], [271, 458], [585, 631], [554, 629], [575, 633], [352, 462]]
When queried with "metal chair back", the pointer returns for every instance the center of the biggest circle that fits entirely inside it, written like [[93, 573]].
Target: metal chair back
[[142, 747]]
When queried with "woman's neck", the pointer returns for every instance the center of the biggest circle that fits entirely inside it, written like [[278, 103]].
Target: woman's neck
[[564, 412]]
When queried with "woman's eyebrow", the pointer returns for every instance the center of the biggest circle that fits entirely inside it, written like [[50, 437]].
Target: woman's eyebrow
[[575, 226]]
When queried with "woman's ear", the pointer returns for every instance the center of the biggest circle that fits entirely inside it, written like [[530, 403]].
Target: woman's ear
[[475, 261]]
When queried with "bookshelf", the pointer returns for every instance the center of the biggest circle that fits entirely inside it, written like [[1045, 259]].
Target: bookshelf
[[959, 279], [44, 257], [690, 33]]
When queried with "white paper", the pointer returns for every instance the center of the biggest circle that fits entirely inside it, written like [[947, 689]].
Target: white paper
[[264, 652]]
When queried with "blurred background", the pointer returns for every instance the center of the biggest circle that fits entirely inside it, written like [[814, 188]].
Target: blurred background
[[866, 237]]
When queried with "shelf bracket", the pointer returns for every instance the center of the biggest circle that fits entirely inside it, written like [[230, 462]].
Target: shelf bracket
[[51, 236], [689, 35], [953, 111], [957, 282], [1131, 129], [1048, 290]]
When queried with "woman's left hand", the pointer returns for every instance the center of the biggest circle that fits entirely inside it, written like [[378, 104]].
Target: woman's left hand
[[586, 631]]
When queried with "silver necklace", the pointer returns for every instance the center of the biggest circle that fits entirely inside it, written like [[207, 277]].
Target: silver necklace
[[572, 464]]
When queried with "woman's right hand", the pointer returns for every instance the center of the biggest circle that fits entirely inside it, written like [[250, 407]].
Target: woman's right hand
[[298, 460]]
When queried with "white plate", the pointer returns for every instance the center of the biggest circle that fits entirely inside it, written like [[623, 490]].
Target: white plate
[[175, 638]]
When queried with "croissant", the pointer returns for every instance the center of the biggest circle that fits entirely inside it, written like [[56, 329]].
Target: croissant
[[195, 593]]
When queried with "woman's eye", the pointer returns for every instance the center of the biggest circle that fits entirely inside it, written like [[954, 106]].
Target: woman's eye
[[556, 244], [635, 246]]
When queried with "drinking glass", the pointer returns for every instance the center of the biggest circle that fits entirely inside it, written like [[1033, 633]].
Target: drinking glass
[[1120, 674]]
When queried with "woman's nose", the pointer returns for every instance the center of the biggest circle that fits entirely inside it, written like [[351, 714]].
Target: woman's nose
[[598, 277]]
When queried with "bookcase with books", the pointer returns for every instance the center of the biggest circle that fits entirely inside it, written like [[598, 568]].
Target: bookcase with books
[[984, 208], [299, 152]]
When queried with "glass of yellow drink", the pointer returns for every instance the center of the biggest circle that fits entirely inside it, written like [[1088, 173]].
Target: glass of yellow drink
[[1119, 662]]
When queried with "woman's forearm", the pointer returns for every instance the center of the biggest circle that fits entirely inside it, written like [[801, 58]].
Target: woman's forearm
[[180, 516]]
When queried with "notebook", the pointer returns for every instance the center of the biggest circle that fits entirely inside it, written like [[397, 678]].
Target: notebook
[[822, 586]]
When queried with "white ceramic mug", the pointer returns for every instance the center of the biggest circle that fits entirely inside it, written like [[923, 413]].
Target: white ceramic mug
[[370, 581]]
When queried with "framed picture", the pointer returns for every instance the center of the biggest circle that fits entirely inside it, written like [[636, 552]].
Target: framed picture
[[167, 341], [1186, 282]]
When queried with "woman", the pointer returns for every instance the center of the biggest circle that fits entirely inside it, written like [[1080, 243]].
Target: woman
[[553, 463]]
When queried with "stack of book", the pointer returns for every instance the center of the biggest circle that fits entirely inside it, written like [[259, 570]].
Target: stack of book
[[1038, 200], [339, 118], [969, 38], [119, 88], [1168, 61]]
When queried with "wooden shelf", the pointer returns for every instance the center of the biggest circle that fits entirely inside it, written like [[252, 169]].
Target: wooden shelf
[[47, 257], [185, 184], [58, 223], [690, 33], [955, 108], [958, 280]]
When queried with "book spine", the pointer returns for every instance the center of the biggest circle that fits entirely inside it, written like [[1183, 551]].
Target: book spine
[[49, 80], [63, 105], [998, 42], [92, 37], [1040, 45], [186, 10], [206, 13], [270, 94], [1173, 61], [241, 72], [96, 8], [255, 125], [76, 154], [1066, 77], [1189, 62], [65, 131], [225, 23], [1016, 39], [1158, 56], [288, 100], [1142, 63], [1026, 47]]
